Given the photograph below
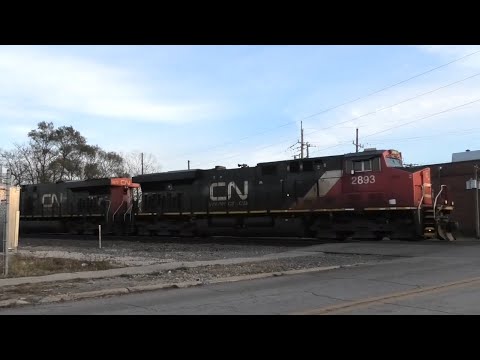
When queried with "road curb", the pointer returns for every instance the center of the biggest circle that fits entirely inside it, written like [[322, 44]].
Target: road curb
[[153, 287]]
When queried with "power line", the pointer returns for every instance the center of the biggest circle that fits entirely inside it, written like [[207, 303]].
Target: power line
[[396, 104], [463, 132], [423, 118], [391, 86], [339, 105], [409, 122]]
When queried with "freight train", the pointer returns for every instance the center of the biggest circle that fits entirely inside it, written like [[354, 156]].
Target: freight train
[[364, 195]]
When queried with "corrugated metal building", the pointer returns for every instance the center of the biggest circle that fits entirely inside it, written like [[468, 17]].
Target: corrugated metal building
[[466, 156]]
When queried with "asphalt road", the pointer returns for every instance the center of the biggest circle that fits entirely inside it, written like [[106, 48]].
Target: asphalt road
[[426, 278]]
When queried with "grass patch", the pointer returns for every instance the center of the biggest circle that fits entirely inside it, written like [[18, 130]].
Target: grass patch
[[20, 266]]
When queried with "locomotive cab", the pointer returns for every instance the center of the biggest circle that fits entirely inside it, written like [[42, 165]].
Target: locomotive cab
[[377, 181]]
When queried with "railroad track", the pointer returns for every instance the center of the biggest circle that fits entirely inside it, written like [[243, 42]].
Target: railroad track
[[272, 241]]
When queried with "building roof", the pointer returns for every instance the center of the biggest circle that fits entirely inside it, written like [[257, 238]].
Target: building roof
[[466, 156]]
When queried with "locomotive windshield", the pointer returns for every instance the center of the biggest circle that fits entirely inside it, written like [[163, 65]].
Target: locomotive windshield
[[393, 162]]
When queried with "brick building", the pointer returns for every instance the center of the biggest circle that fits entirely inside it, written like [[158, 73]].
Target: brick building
[[455, 175]]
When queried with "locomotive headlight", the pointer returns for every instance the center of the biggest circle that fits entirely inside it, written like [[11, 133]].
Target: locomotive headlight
[[453, 203], [446, 202]]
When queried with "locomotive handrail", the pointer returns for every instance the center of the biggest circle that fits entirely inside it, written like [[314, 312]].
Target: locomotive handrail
[[420, 204], [108, 208], [435, 202], [128, 212], [115, 213]]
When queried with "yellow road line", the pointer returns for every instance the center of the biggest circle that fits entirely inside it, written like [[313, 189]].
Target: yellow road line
[[379, 300]]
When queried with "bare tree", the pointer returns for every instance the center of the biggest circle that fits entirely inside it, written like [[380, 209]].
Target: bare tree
[[20, 163], [63, 154], [133, 163]]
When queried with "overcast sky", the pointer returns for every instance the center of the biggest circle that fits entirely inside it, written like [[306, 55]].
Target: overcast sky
[[225, 105]]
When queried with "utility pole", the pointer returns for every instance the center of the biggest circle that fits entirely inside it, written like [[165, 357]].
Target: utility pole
[[188, 164], [357, 145], [301, 142], [477, 220], [356, 142], [301, 139], [308, 146], [142, 163]]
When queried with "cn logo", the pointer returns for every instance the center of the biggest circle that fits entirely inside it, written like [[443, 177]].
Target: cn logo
[[231, 185], [49, 199]]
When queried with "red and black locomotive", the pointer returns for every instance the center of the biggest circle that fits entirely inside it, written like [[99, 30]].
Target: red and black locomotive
[[369, 194], [77, 206]]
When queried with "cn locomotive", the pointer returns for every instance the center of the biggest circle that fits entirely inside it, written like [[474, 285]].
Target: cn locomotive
[[368, 194], [77, 206], [363, 195]]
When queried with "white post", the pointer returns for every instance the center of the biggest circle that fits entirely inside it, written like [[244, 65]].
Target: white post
[[17, 226], [4, 229], [99, 236], [5, 235]]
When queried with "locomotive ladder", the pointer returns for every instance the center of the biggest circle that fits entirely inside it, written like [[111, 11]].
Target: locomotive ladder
[[428, 220], [434, 225], [429, 223]]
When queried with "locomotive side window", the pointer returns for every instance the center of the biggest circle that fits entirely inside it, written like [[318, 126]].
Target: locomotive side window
[[364, 165], [360, 166]]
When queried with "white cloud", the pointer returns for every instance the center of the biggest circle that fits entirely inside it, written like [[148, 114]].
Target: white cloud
[[63, 83]]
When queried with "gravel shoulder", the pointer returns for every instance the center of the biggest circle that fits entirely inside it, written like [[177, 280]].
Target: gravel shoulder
[[131, 253]]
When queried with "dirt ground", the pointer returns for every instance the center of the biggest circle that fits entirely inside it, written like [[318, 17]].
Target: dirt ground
[[34, 293], [23, 265]]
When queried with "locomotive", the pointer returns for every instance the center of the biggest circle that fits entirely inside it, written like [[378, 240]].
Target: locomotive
[[368, 194], [77, 206], [364, 195]]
